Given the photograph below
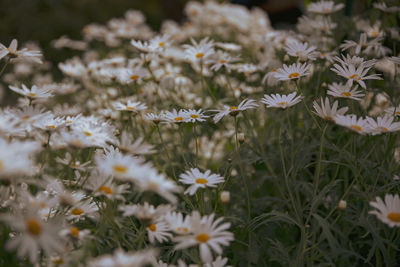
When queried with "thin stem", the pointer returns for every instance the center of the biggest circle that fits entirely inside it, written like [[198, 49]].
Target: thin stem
[[4, 66]]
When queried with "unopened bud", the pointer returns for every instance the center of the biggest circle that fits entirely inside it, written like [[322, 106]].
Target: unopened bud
[[225, 196], [286, 58], [241, 137], [324, 85], [342, 204]]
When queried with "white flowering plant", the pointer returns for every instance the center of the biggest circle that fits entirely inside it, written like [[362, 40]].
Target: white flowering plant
[[218, 142]]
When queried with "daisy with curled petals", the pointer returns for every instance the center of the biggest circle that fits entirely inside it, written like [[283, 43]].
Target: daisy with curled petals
[[389, 211], [354, 72], [199, 51], [13, 52], [345, 91], [145, 212], [234, 110], [130, 106], [34, 92], [327, 112], [198, 179], [158, 231], [223, 60], [206, 233], [324, 7], [155, 118], [193, 115], [358, 125], [281, 101], [292, 72], [301, 50], [383, 124]]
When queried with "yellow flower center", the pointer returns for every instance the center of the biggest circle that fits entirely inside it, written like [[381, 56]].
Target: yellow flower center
[[233, 108], [397, 112], [69, 121], [327, 10], [178, 119], [74, 231], [282, 104], [394, 217], [58, 261], [51, 126], [346, 94], [356, 127], [355, 77], [203, 237], [120, 168], [152, 227], [77, 211], [134, 77], [161, 44], [194, 116], [294, 75], [222, 61], [130, 108], [87, 133], [105, 189], [32, 94], [199, 55], [329, 118], [33, 227], [201, 181], [382, 129]]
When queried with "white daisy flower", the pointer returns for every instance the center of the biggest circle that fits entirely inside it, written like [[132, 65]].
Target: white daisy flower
[[177, 223], [383, 124], [345, 91], [49, 123], [234, 110], [175, 116], [155, 118], [324, 7], [198, 179], [394, 111], [223, 59], [358, 125], [103, 185], [85, 208], [122, 259], [192, 115], [34, 92], [158, 231], [35, 234], [355, 73], [387, 211], [145, 212], [395, 60], [126, 76], [206, 233], [363, 43], [199, 51], [383, 7], [301, 50], [292, 72], [130, 106], [281, 101], [327, 112], [139, 147], [14, 53]]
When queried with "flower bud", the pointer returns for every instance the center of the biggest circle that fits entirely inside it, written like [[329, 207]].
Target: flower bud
[[241, 137], [225, 197], [286, 58], [342, 204]]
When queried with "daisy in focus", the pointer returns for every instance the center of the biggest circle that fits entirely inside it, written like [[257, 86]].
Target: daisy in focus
[[206, 233], [234, 110], [292, 72], [281, 101], [345, 91], [198, 179], [387, 211], [198, 52]]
